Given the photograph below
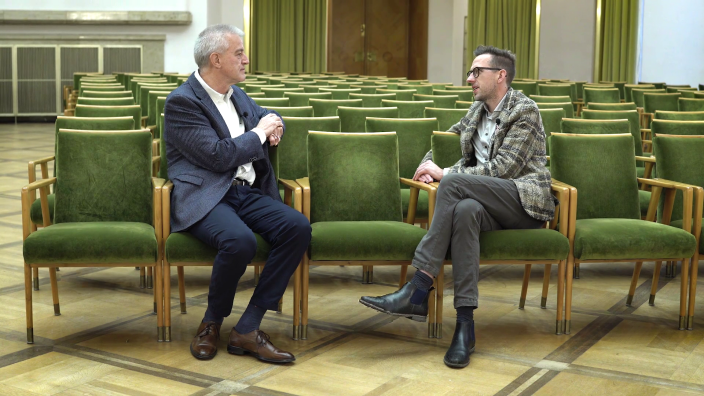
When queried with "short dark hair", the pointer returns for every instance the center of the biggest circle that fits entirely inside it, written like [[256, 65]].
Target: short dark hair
[[501, 58]]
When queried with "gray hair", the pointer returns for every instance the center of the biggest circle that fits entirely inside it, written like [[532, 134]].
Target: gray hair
[[213, 39]]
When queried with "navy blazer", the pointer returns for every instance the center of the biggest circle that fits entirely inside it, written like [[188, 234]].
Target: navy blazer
[[202, 158]]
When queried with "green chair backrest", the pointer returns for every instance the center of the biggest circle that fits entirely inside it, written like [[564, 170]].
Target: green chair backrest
[[340, 165], [552, 121], [107, 94], [677, 88], [628, 87], [373, 100], [687, 104], [631, 115], [401, 94], [675, 127], [606, 95], [339, 93], [143, 90], [100, 88], [278, 102], [133, 111], [699, 95], [657, 85], [423, 89], [621, 85], [446, 147], [328, 107], [135, 84], [460, 104], [440, 101], [341, 85], [440, 86], [413, 139], [163, 166], [679, 115], [467, 96], [353, 119], [292, 162], [602, 168], [446, 117], [528, 87], [151, 105], [612, 106], [409, 108], [680, 160], [315, 88], [279, 92], [160, 103], [550, 99], [105, 101], [103, 176], [369, 89], [595, 126], [298, 99], [661, 101], [557, 90], [687, 93], [302, 111], [566, 106], [637, 95]]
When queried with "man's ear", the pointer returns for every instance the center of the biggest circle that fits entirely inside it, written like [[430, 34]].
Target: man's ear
[[215, 60]]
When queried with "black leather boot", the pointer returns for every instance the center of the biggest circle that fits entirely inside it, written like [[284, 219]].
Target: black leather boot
[[399, 303], [462, 345]]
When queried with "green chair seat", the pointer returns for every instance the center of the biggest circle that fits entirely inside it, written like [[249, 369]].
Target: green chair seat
[[613, 239], [87, 242], [35, 211], [364, 240], [536, 244], [678, 224], [182, 247], [421, 207]]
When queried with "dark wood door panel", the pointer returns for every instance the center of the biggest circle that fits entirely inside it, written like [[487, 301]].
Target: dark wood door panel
[[346, 42], [387, 37]]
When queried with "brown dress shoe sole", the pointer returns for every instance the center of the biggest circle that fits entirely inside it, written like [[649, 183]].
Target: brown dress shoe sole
[[417, 318], [200, 357], [241, 351]]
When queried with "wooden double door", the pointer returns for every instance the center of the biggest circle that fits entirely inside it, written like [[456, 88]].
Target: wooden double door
[[378, 37]]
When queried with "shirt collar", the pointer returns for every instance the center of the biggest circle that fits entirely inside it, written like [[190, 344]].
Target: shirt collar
[[498, 108], [214, 95]]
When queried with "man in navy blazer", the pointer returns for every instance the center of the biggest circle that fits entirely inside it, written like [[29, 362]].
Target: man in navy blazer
[[225, 190]]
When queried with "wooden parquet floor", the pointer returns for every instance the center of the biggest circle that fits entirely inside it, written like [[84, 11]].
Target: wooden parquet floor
[[104, 343]]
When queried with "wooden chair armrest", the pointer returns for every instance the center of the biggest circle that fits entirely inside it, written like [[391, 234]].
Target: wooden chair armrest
[[32, 168], [670, 188], [156, 164], [563, 192], [291, 188], [157, 184], [28, 198], [416, 186], [304, 182], [645, 159], [166, 209], [428, 187]]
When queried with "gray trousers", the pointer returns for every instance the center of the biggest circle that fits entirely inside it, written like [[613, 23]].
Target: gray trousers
[[465, 206]]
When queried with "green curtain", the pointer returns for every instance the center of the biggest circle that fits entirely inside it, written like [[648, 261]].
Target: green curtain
[[288, 35], [619, 39], [507, 24]]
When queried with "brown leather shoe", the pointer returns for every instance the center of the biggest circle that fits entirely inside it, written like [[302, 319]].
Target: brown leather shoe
[[205, 344], [257, 343]]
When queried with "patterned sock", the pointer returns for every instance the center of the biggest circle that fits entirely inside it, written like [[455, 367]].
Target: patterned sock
[[423, 283], [465, 314], [251, 319]]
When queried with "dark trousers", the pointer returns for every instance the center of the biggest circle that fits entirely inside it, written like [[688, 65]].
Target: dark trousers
[[230, 228]]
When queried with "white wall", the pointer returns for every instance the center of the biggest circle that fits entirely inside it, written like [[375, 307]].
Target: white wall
[[178, 48], [446, 40], [567, 39], [673, 42]]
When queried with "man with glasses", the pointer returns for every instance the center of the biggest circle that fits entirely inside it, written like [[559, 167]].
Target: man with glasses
[[500, 182]]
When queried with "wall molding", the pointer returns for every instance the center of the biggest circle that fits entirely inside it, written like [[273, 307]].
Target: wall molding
[[30, 17]]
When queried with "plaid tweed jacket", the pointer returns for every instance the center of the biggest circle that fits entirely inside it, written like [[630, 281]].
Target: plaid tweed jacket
[[517, 152]]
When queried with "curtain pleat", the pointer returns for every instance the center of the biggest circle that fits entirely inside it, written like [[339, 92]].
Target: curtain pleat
[[507, 24], [288, 35], [619, 35]]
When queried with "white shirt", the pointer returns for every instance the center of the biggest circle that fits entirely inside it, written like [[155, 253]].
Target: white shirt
[[485, 133], [234, 125]]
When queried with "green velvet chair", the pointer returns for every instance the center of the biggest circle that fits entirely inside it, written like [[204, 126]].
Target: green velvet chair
[[299, 99], [677, 127], [467, 96], [566, 106], [267, 101], [550, 99], [637, 95], [686, 104], [401, 94], [297, 84], [279, 92], [541, 246], [687, 93], [628, 87], [328, 107], [353, 203], [143, 98], [339, 93], [552, 121], [100, 88], [107, 94], [258, 95], [607, 95], [461, 104], [446, 117], [105, 101], [557, 90], [657, 85], [373, 100], [421, 89], [341, 84], [409, 108], [658, 101], [679, 115], [301, 111], [459, 88], [699, 95], [114, 223], [677, 88], [528, 87], [620, 85], [353, 119], [151, 111], [315, 88], [605, 223], [680, 160], [613, 106], [138, 85], [135, 111], [371, 89], [441, 101]]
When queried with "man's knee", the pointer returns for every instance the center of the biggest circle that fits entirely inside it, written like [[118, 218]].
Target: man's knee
[[468, 209], [240, 243], [298, 227]]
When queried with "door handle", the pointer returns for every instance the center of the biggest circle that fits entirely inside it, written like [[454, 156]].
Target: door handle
[[371, 56]]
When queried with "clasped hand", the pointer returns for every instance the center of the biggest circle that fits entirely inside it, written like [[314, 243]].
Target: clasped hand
[[273, 127], [428, 172]]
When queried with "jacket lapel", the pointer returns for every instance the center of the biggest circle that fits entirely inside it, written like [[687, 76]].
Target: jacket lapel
[[504, 126], [221, 126]]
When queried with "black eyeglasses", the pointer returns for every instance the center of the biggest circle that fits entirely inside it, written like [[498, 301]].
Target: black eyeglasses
[[478, 70]]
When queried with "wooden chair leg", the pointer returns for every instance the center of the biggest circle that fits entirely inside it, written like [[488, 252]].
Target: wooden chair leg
[[568, 297], [54, 291], [159, 296], [559, 328], [305, 279], [684, 287], [575, 274], [370, 274], [404, 275], [524, 287], [546, 286], [431, 310], [142, 278], [654, 286], [28, 303], [297, 303], [181, 289], [166, 281], [439, 302], [634, 282], [150, 278], [35, 278], [692, 290]]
